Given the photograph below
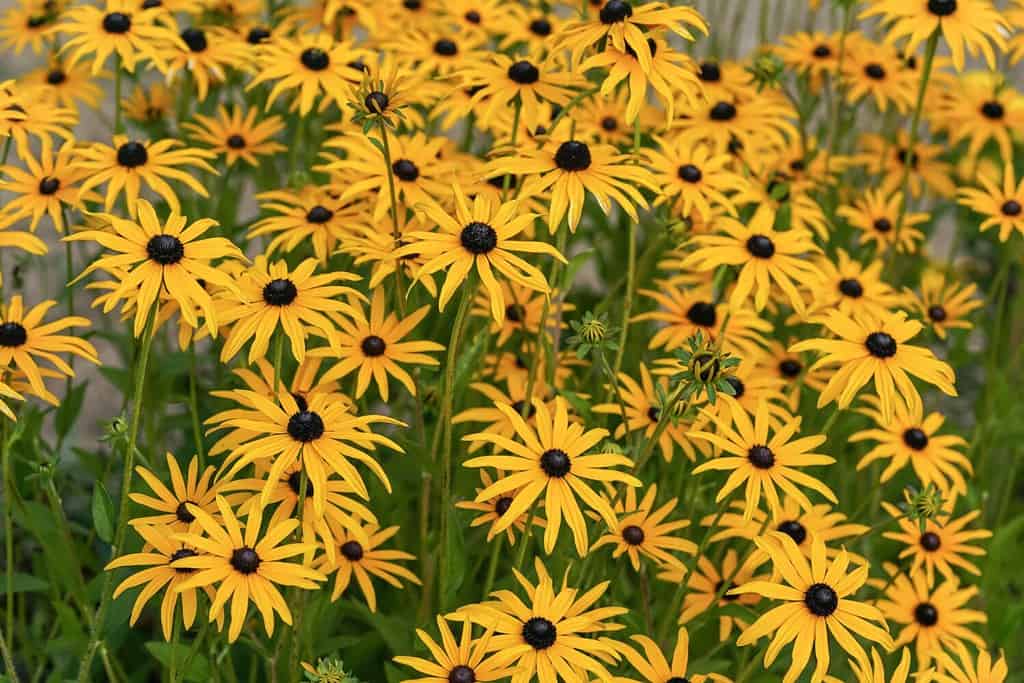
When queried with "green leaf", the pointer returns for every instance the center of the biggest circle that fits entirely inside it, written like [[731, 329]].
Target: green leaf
[[575, 263], [456, 555], [26, 583], [69, 409], [198, 667], [102, 513]]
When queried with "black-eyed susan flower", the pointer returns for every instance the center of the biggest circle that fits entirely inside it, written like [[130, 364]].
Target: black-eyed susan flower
[[365, 559], [945, 544], [641, 529], [980, 109], [237, 136], [25, 24], [944, 303], [906, 436], [308, 67], [493, 509], [523, 313], [271, 298], [752, 383], [129, 164], [1002, 207], [121, 27], [708, 587], [934, 619], [877, 213], [206, 53], [892, 159], [876, 72], [66, 85], [171, 505], [765, 256], [979, 669], [479, 237], [764, 463], [245, 568], [740, 125], [873, 671], [551, 632], [155, 258], [375, 345], [691, 177], [148, 104], [385, 93], [875, 348], [156, 572], [24, 338], [514, 396], [571, 169], [322, 435], [972, 24], [438, 50], [621, 25], [44, 187], [309, 214], [32, 116], [641, 411], [552, 459], [818, 603], [462, 660], [813, 53], [852, 287], [656, 668]]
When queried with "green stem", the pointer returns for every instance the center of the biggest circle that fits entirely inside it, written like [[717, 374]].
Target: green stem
[[445, 422], [527, 537], [193, 407], [278, 353], [8, 495], [126, 486], [396, 229], [836, 102], [12, 673], [118, 78], [628, 303], [512, 143], [492, 566], [174, 647]]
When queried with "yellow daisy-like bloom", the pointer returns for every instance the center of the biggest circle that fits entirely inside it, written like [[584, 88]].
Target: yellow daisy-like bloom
[[245, 568], [44, 186], [801, 524], [927, 169], [24, 338], [462, 660], [875, 348], [815, 54], [8, 392], [24, 25], [877, 72], [374, 346], [655, 668], [321, 434], [500, 79], [310, 215], [66, 85], [123, 28], [933, 619], [982, 107], [312, 65], [817, 604], [640, 529], [207, 54], [874, 671], [671, 74], [763, 463], [172, 506], [684, 311], [692, 177], [853, 288], [943, 545], [479, 236], [641, 411], [551, 632], [624, 27], [31, 115], [268, 296], [494, 509], [979, 670], [972, 24], [158, 572], [906, 436], [149, 104], [764, 255], [304, 384], [876, 215], [552, 459], [129, 163], [522, 316], [1002, 207], [708, 588], [496, 420], [945, 304], [741, 126], [365, 559], [153, 259], [752, 383], [237, 136], [572, 168]]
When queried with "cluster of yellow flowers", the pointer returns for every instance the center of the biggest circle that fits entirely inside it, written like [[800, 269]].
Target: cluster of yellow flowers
[[648, 253]]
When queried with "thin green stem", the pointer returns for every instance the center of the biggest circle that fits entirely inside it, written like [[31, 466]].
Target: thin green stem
[[174, 646], [492, 565], [7, 490], [445, 422], [527, 537], [836, 101], [126, 486], [517, 113], [627, 307], [278, 353], [12, 673], [193, 406], [118, 78], [396, 229]]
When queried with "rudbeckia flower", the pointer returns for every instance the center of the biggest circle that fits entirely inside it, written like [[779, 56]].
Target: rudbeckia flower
[[120, 27], [237, 136], [551, 632], [944, 303], [640, 529], [478, 236], [206, 53], [655, 668], [1001, 207], [875, 347], [981, 668], [817, 597], [154, 257], [552, 459], [364, 559], [764, 463], [172, 505], [493, 509], [44, 187], [980, 109], [464, 660], [245, 568], [877, 213], [944, 543], [66, 85], [691, 176]]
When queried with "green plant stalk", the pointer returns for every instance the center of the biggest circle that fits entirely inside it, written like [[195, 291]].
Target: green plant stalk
[[193, 407], [836, 102], [174, 645], [630, 295], [492, 565], [915, 125], [396, 230], [278, 353], [527, 536], [542, 326], [445, 423], [12, 673], [7, 490], [118, 77], [517, 113], [126, 486]]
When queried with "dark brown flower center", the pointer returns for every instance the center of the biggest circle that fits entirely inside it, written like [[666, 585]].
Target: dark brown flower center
[[851, 287], [874, 72], [690, 173], [305, 426], [930, 541], [165, 249], [761, 457], [373, 346], [117, 23], [723, 111], [1011, 207], [376, 102], [791, 368], [760, 246], [279, 292], [915, 438], [315, 59], [245, 560], [405, 170], [821, 599], [710, 72], [942, 8], [182, 512], [937, 313], [181, 554], [49, 185], [132, 155], [195, 38], [702, 313], [555, 462], [615, 11], [573, 156], [926, 614], [882, 224], [881, 345], [461, 674], [478, 238], [540, 27], [236, 141], [523, 72], [352, 551], [793, 529], [633, 535], [539, 633], [446, 48], [822, 51]]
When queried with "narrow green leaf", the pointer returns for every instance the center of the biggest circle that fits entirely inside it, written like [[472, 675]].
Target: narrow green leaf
[[102, 513], [69, 409], [198, 667]]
